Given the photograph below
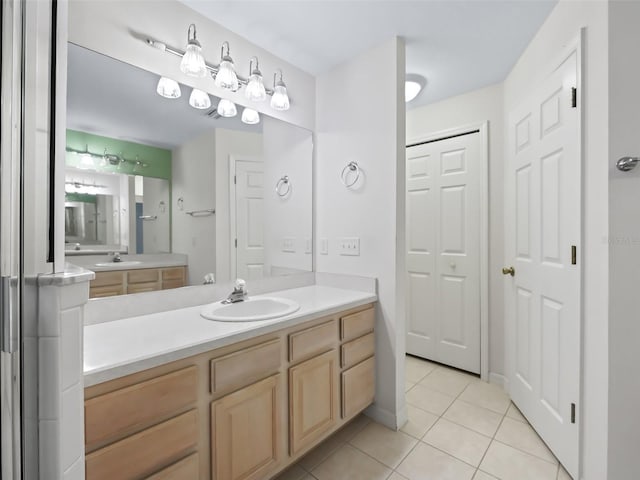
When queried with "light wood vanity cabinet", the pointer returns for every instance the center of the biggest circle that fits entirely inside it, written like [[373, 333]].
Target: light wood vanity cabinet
[[241, 412], [120, 282]]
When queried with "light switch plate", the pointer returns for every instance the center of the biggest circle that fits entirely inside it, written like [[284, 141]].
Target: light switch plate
[[349, 246], [289, 244], [308, 245], [324, 246]]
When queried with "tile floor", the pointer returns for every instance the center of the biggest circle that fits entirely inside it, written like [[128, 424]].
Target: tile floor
[[459, 428]]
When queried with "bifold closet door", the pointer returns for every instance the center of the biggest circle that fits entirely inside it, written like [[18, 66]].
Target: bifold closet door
[[443, 251]]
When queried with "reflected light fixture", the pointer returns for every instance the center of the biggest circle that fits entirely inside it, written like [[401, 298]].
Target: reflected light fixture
[[255, 90], [192, 63], [226, 76], [226, 108], [199, 99], [168, 88], [280, 98], [413, 85], [250, 116]]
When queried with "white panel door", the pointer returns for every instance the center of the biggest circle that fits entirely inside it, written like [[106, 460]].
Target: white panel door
[[542, 224], [443, 251], [249, 219]]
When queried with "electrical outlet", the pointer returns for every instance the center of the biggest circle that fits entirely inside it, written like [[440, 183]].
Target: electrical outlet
[[289, 244], [349, 246], [324, 246]]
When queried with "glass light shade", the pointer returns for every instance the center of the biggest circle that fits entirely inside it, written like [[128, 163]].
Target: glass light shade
[[227, 108], [255, 90], [250, 116], [86, 161], [168, 88], [192, 63], [280, 99], [411, 90], [226, 76], [199, 99]]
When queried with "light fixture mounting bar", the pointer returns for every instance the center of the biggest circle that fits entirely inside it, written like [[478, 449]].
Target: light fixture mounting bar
[[105, 155], [212, 69]]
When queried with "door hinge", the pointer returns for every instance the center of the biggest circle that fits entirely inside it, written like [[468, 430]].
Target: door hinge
[[574, 97], [573, 413], [236, 243], [574, 255], [235, 181]]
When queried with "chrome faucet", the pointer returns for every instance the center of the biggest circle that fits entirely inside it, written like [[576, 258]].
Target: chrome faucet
[[239, 293], [116, 256]]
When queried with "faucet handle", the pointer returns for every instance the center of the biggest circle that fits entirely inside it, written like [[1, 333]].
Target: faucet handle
[[241, 285]]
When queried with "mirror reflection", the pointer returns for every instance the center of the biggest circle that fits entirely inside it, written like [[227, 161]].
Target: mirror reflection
[[153, 183]]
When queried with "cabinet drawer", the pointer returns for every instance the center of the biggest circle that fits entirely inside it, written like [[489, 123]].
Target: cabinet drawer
[[245, 367], [126, 410], [107, 278], [107, 291], [357, 324], [169, 284], [187, 468], [146, 452], [143, 276], [143, 287], [358, 387], [311, 341], [357, 350], [173, 274]]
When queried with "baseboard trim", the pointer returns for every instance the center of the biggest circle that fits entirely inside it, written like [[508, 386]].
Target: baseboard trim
[[389, 419], [499, 379]]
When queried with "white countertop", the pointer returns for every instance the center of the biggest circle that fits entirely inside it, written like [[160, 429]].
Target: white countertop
[[152, 260], [122, 347]]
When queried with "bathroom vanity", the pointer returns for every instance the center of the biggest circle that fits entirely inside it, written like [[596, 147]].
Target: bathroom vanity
[[243, 401]]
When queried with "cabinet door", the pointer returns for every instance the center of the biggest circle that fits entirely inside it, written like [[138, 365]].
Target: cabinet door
[[313, 400], [246, 431]]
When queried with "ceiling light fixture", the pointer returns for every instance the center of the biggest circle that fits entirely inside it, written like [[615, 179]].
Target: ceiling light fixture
[[168, 88], [250, 116], [255, 90], [280, 98], [226, 76], [199, 99], [413, 85], [227, 108], [192, 63]]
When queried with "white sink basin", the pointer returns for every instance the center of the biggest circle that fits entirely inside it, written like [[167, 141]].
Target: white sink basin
[[250, 310], [128, 263]]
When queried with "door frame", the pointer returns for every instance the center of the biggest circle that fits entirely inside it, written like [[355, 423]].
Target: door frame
[[483, 131], [233, 251]]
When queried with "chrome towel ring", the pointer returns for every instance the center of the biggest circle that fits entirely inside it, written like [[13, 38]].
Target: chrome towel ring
[[283, 186], [351, 167]]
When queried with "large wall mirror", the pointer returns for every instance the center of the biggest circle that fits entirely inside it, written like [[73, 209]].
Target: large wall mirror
[[148, 176]]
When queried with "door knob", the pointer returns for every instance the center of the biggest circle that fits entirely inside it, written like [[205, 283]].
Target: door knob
[[508, 271]]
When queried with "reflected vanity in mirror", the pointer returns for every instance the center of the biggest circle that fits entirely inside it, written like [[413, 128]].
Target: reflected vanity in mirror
[[160, 194]]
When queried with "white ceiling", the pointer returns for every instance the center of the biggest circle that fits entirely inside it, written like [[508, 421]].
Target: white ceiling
[[114, 99], [457, 45]]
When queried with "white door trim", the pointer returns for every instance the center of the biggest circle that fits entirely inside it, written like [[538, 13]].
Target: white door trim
[[233, 158], [483, 129]]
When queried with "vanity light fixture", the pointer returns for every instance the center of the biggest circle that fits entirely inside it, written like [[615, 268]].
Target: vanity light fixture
[[227, 108], [192, 63], [413, 85], [255, 90], [280, 98], [250, 116], [226, 76], [168, 88], [199, 99]]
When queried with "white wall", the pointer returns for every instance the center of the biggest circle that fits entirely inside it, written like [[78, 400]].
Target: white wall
[[361, 117], [157, 234], [118, 29], [193, 178], [288, 150], [238, 144], [624, 242], [475, 107], [560, 29]]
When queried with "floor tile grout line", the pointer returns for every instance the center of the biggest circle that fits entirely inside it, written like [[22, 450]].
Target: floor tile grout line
[[528, 453]]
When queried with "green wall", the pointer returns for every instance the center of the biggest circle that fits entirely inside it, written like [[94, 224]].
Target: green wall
[[158, 160]]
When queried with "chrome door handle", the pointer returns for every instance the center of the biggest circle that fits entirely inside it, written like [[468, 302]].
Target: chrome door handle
[[508, 271]]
